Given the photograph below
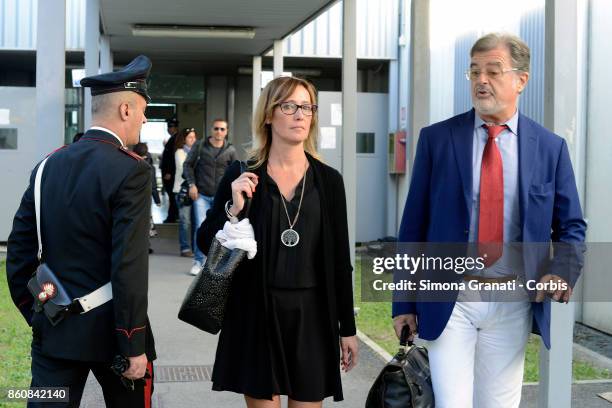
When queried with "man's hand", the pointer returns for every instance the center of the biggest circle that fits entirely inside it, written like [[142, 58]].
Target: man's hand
[[138, 367], [556, 287], [167, 176], [350, 352], [193, 193], [400, 321]]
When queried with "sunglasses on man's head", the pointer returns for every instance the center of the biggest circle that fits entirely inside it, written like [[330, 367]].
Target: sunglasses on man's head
[[189, 130], [219, 129]]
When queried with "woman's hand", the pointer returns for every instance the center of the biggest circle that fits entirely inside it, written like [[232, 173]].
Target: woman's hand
[[246, 183], [350, 352]]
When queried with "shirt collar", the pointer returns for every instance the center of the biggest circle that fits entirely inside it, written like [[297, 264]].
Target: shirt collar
[[512, 123], [108, 131]]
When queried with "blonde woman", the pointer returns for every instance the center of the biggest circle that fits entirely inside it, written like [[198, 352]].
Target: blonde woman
[[289, 324]]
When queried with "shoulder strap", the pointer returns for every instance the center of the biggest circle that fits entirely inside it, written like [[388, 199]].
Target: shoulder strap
[[37, 181], [200, 146]]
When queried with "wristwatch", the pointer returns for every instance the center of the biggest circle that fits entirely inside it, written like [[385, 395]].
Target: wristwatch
[[232, 218]]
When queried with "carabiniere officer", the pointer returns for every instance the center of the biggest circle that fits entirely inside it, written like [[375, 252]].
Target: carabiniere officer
[[94, 221]]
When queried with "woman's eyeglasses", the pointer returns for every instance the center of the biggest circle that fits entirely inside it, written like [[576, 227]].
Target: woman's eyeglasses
[[289, 108]]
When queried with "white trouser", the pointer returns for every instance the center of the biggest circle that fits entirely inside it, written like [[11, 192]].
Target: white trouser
[[478, 359]]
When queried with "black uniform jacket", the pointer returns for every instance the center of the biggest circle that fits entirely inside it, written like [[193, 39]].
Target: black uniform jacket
[[95, 209], [245, 326]]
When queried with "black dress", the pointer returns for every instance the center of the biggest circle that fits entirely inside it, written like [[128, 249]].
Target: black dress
[[247, 348], [298, 333]]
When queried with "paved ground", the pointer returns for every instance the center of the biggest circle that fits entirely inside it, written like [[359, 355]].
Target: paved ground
[[593, 339], [179, 344], [584, 395]]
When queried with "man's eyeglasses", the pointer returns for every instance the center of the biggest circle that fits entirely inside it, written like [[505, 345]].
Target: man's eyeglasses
[[492, 73], [289, 108], [219, 129]]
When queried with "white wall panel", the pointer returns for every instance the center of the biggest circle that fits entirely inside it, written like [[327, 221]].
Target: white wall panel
[[18, 24]]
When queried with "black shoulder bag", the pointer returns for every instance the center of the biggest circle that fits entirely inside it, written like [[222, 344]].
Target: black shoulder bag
[[204, 303], [405, 382]]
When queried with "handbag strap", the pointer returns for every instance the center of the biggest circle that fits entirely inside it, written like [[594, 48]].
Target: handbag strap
[[37, 181], [404, 337], [247, 200]]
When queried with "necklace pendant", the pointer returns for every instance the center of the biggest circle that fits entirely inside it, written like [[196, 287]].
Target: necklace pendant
[[290, 237]]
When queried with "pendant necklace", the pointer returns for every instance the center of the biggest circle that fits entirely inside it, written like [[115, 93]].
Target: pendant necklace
[[290, 237]]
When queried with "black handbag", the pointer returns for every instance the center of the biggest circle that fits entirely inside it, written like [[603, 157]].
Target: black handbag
[[183, 195], [204, 303], [405, 382]]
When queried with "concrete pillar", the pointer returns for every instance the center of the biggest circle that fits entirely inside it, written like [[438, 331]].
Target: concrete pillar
[[415, 99], [278, 58], [231, 106], [106, 55], [92, 59], [560, 117], [256, 83], [50, 76], [403, 60], [401, 113], [420, 59], [392, 180], [349, 114]]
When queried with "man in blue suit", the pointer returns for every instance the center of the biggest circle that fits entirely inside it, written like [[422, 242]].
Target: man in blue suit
[[489, 176]]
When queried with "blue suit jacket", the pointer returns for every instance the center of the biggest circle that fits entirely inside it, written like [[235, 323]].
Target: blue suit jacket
[[439, 202]]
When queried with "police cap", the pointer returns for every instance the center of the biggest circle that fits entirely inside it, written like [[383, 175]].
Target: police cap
[[132, 77]]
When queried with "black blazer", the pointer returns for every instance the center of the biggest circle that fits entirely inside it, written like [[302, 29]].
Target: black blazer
[[244, 332], [95, 209]]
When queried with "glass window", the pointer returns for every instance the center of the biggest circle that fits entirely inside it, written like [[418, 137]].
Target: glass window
[[8, 139], [365, 142]]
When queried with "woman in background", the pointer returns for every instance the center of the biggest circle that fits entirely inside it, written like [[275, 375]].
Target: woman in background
[[184, 142], [290, 310]]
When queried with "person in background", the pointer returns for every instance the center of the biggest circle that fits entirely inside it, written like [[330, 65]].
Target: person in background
[[77, 136], [203, 170], [185, 140], [142, 150], [168, 170]]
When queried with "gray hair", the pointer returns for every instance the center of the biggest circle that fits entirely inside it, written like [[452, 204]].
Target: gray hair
[[100, 103], [519, 51], [103, 103]]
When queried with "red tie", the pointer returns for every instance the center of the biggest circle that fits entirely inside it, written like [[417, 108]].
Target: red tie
[[491, 214]]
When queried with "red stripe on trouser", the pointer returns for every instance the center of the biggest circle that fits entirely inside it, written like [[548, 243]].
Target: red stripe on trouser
[[147, 387]]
